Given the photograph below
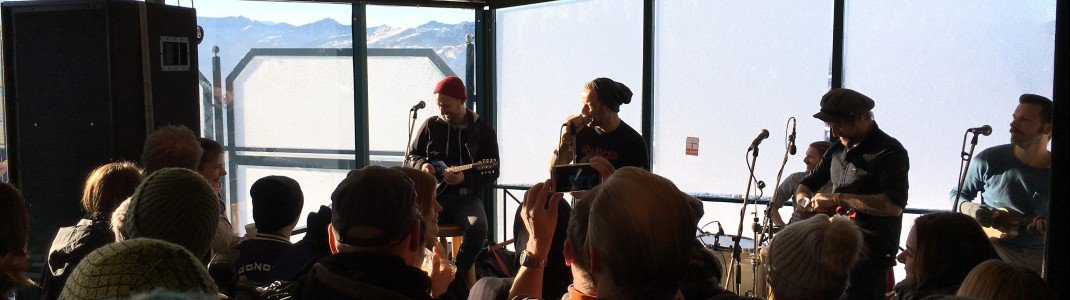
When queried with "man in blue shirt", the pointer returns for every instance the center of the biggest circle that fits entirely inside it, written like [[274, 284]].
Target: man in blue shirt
[[1015, 177]]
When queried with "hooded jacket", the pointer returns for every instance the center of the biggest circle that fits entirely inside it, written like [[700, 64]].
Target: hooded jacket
[[438, 140]]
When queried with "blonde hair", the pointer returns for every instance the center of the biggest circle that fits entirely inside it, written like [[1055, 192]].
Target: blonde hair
[[171, 147], [118, 219], [107, 186], [641, 230], [998, 280]]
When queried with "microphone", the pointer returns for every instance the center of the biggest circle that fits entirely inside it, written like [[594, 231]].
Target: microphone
[[791, 140], [983, 130], [758, 140], [418, 106]]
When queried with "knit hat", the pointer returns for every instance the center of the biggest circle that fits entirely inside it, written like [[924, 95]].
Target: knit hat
[[175, 205], [840, 103], [612, 93], [810, 259], [277, 203], [451, 86], [134, 266], [373, 206]]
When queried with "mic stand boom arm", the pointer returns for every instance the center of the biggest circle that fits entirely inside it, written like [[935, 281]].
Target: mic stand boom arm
[[966, 158]]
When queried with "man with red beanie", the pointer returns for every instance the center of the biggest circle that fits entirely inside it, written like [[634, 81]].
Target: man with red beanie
[[455, 137]]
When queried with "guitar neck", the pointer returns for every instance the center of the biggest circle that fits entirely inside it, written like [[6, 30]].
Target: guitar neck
[[460, 168]]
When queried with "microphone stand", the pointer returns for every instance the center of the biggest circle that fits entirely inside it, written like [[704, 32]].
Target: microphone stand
[[736, 269], [966, 159], [766, 232], [412, 123]]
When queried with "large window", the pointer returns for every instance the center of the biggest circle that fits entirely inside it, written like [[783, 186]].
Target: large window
[[545, 53], [288, 104], [723, 71], [937, 68], [409, 50]]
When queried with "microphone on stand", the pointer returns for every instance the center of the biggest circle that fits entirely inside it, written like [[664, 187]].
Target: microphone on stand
[[983, 130], [791, 139], [418, 106], [758, 140]]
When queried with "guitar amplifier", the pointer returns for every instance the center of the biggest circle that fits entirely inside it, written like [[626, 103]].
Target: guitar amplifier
[[84, 83]]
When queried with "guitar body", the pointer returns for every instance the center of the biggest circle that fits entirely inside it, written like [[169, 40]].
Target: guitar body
[[1005, 224]]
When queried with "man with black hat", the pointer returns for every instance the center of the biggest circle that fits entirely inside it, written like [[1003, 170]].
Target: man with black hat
[[379, 236], [868, 173], [599, 131], [455, 137]]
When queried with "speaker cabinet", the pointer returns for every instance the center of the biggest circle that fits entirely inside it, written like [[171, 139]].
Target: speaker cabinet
[[84, 82]]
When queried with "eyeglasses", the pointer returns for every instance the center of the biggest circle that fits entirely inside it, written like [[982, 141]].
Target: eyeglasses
[[906, 251]]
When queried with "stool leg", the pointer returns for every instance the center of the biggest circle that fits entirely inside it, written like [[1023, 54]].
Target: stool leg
[[442, 243], [456, 247]]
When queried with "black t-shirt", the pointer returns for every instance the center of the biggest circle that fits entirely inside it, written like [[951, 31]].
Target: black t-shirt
[[257, 256], [622, 147], [877, 165]]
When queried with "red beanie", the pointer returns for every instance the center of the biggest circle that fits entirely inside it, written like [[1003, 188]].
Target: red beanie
[[451, 86]]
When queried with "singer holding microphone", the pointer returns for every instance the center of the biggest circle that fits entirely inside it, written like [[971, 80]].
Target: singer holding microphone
[[457, 136], [868, 173], [599, 131], [1015, 177]]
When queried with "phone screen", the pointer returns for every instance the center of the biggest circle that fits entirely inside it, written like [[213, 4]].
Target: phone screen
[[577, 177]]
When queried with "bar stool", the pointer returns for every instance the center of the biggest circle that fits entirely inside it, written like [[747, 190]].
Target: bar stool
[[456, 235]]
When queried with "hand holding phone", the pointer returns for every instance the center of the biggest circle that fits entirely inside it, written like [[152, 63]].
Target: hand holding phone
[[575, 177]]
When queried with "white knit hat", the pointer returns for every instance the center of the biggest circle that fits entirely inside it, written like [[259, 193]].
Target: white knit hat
[[811, 259]]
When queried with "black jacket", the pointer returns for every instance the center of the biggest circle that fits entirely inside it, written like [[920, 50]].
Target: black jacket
[[437, 140], [364, 276], [71, 245]]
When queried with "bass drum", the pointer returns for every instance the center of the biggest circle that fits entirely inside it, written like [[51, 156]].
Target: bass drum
[[721, 247]]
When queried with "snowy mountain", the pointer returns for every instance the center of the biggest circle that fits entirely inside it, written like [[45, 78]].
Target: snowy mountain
[[236, 35]]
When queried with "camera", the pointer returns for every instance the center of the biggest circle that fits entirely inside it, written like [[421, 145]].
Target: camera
[[575, 177]]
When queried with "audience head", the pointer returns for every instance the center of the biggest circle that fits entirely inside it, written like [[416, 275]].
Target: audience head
[[1032, 121], [14, 230], [171, 147], [175, 205], [576, 237], [810, 259], [277, 203], [639, 236], [847, 113], [108, 186], [998, 280], [425, 185], [942, 248], [374, 210], [814, 153], [211, 163], [134, 266], [449, 96]]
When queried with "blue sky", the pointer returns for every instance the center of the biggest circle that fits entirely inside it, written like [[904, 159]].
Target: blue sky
[[303, 13]]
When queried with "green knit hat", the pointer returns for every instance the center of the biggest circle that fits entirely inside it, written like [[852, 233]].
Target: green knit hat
[[175, 205], [135, 266]]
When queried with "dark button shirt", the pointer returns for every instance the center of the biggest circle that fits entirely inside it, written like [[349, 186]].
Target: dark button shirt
[[877, 165]]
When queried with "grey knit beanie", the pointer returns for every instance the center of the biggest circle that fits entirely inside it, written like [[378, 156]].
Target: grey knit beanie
[[175, 205], [134, 266], [810, 259]]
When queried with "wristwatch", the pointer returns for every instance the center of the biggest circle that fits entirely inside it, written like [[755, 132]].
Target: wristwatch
[[528, 260]]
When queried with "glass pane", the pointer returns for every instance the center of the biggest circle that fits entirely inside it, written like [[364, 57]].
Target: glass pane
[[288, 107], [953, 64], [757, 65], [317, 186], [546, 53], [409, 50]]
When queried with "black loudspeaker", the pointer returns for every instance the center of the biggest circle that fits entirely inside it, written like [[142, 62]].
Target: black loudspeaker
[[84, 83]]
